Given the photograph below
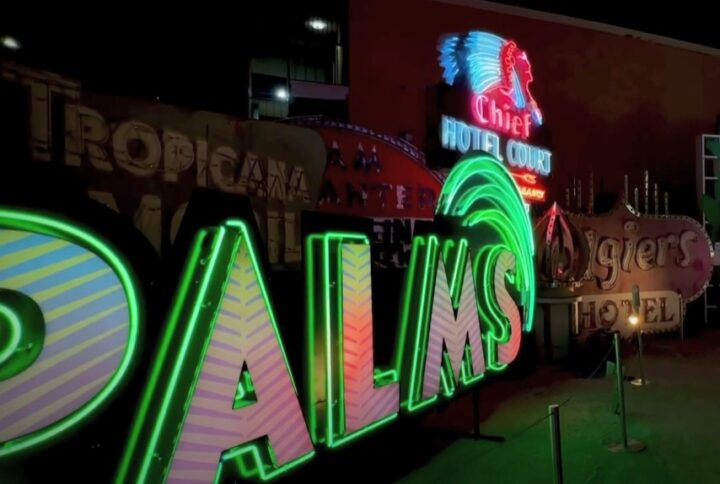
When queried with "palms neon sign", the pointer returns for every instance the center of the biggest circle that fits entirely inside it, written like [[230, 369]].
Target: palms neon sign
[[221, 401]]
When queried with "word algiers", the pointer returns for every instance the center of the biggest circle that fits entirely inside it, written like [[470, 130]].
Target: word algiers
[[646, 253]]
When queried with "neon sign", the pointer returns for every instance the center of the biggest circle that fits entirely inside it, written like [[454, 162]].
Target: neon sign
[[499, 74], [668, 257], [530, 189], [221, 401]]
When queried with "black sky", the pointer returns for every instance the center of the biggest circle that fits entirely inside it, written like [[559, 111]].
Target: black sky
[[690, 20], [193, 56]]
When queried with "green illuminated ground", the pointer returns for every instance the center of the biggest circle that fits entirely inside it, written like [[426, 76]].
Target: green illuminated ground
[[677, 416]]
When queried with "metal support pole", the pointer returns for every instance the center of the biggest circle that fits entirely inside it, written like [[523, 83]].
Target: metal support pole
[[641, 382], [476, 434], [640, 358], [620, 388], [554, 411], [625, 445], [682, 327]]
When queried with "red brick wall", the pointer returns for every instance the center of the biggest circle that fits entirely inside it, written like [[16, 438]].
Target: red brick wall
[[616, 104]]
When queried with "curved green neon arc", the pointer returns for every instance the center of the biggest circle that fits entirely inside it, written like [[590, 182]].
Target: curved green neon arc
[[13, 325], [14, 219], [479, 190], [478, 194]]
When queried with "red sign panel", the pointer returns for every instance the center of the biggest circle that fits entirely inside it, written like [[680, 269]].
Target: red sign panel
[[371, 175]]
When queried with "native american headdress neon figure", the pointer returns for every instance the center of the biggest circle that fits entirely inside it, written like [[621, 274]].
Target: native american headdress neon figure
[[493, 66]]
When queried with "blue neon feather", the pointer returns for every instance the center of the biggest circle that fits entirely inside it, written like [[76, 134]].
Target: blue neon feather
[[450, 57], [483, 60]]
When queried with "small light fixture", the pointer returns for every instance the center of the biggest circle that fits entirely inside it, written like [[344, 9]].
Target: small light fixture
[[317, 24], [281, 93], [633, 319], [10, 43]]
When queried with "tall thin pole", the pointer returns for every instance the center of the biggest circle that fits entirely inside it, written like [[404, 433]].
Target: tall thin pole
[[554, 411], [620, 388], [591, 194], [637, 200], [626, 199], [640, 357], [579, 196], [656, 199], [647, 192]]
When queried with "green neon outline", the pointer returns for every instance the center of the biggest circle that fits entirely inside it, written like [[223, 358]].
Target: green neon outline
[[419, 353], [454, 257], [478, 190], [15, 332], [318, 246], [457, 276], [409, 400], [385, 377], [245, 391], [160, 360], [493, 318], [447, 377], [225, 241], [410, 277], [310, 409], [466, 373], [27, 324], [242, 226], [36, 222], [480, 178], [253, 451], [467, 376]]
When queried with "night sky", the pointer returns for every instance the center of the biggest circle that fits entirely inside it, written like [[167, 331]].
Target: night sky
[[691, 21], [193, 57]]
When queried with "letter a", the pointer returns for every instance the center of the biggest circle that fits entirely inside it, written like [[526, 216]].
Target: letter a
[[346, 396], [220, 402]]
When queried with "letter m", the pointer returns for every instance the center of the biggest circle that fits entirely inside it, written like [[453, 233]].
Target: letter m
[[440, 326]]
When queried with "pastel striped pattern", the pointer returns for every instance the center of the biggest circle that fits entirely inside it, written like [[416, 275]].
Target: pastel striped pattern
[[87, 329], [243, 333], [454, 332], [364, 404], [507, 352]]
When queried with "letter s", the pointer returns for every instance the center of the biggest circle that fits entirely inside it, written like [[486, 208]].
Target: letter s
[[685, 239], [507, 352]]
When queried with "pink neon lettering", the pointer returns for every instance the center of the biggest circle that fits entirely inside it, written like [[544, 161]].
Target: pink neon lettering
[[488, 112]]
